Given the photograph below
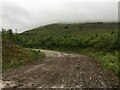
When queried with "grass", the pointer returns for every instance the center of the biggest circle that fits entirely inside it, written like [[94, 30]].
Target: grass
[[14, 56], [108, 60]]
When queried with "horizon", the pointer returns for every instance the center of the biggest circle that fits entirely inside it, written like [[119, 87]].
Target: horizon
[[14, 30], [23, 16]]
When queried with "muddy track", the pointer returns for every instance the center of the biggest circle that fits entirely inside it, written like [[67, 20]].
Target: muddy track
[[59, 70]]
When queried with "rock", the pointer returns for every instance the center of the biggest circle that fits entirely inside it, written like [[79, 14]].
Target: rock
[[77, 67], [20, 85], [39, 51], [14, 86], [32, 84], [20, 80]]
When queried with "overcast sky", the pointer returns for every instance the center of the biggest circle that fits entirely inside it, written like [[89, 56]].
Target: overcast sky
[[27, 14]]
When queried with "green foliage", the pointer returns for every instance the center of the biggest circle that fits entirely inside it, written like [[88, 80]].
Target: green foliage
[[100, 36], [14, 55], [110, 60], [99, 40]]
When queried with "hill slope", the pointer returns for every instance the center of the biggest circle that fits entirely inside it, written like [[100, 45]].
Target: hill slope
[[99, 40], [64, 29], [14, 55]]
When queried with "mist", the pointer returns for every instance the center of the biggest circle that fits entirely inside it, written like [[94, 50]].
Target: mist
[[27, 14]]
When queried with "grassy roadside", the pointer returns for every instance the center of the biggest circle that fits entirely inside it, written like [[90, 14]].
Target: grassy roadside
[[14, 55], [108, 60]]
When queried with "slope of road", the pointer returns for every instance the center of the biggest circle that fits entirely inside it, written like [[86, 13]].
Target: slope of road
[[61, 70]]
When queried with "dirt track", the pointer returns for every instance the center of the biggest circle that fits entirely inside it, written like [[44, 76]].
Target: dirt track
[[59, 70]]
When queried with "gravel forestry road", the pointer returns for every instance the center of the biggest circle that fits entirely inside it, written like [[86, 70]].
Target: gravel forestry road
[[60, 70]]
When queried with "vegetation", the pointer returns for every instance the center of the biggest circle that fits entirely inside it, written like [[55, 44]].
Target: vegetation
[[14, 55], [98, 40]]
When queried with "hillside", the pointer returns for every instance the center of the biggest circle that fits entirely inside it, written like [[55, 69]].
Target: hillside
[[74, 29], [14, 55], [88, 57], [69, 36], [98, 40]]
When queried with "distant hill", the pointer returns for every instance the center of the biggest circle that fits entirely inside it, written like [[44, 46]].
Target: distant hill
[[64, 29]]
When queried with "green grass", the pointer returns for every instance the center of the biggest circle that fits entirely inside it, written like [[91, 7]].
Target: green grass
[[14, 56], [108, 60], [60, 30]]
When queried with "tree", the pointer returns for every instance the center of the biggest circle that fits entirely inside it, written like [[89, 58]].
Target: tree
[[10, 33]]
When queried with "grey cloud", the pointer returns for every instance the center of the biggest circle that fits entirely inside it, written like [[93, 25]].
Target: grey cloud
[[15, 16]]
